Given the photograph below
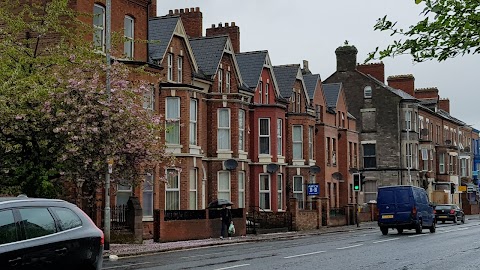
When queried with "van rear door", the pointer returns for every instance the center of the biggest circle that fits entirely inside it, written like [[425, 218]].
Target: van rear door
[[404, 204], [394, 205]]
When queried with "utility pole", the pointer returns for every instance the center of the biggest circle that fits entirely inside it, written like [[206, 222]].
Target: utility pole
[[107, 220]]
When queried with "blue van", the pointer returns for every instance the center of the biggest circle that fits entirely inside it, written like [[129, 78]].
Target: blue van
[[404, 207]]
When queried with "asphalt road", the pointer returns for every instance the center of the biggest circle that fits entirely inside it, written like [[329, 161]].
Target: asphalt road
[[451, 247]]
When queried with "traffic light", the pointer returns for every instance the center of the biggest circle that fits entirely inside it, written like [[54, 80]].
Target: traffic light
[[452, 188], [357, 182]]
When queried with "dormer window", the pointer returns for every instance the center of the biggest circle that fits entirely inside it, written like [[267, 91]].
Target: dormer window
[[367, 92]]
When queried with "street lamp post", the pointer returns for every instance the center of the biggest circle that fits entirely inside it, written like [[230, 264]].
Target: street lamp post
[[107, 174]]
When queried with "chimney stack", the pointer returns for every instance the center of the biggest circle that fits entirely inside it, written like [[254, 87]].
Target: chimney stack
[[444, 104], [427, 93], [152, 11], [406, 83], [192, 20], [346, 58], [305, 69], [231, 30], [376, 70]]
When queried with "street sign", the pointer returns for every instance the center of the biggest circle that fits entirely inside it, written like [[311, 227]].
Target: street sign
[[462, 188], [313, 189]]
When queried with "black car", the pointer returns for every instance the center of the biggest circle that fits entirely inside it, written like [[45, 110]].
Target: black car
[[451, 212], [47, 234]]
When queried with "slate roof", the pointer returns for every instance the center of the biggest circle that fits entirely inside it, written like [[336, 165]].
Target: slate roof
[[331, 92], [311, 81], [251, 66], [397, 92], [208, 52], [286, 76], [160, 31]]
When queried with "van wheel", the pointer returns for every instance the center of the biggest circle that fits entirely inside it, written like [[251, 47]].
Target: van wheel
[[400, 230], [384, 230], [455, 219], [463, 219], [433, 228], [419, 227]]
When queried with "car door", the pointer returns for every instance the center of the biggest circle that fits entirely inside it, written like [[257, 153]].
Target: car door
[[11, 249], [44, 247]]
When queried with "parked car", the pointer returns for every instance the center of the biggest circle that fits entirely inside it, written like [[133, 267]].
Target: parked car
[[404, 207], [47, 234], [451, 212]]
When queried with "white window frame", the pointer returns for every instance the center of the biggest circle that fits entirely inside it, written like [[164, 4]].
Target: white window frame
[[149, 98], [367, 92], [264, 137], [147, 190], [279, 137], [241, 189], [226, 138], [408, 120], [172, 172], [299, 99], [310, 142], [241, 130], [193, 192], [228, 82], [463, 167], [260, 92], [425, 158], [265, 193], [170, 67], [279, 192], [220, 80], [224, 193], [128, 45], [297, 143], [441, 163], [99, 28], [409, 155], [179, 69], [172, 121], [299, 194], [267, 89], [193, 138]]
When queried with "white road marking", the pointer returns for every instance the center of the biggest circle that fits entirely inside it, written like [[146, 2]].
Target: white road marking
[[305, 254], [205, 255], [125, 265], [386, 240], [417, 235], [350, 246], [235, 266]]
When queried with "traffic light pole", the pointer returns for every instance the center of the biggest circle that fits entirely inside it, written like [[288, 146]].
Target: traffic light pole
[[356, 209]]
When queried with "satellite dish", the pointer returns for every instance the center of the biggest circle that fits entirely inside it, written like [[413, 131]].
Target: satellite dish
[[448, 142], [314, 169], [424, 132], [272, 167], [353, 170], [466, 149], [230, 164], [337, 176]]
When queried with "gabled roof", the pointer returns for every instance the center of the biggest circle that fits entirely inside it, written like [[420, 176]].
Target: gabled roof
[[397, 92], [332, 92], [311, 82], [209, 51], [286, 76], [160, 33], [251, 65]]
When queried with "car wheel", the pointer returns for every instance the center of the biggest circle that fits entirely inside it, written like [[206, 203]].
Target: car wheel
[[455, 219], [384, 230], [400, 230], [463, 219], [434, 227], [419, 227], [443, 221]]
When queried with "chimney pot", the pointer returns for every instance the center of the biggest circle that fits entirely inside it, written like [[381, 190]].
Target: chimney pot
[[197, 9], [182, 10], [176, 11], [170, 12], [220, 25], [192, 9], [213, 25], [226, 24], [233, 23]]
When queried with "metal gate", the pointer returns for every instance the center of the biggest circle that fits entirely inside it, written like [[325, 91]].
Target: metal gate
[[261, 221]]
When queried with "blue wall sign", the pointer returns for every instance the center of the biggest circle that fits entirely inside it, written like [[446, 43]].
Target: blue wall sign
[[313, 189]]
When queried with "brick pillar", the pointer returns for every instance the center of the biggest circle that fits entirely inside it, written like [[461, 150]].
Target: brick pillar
[[318, 207], [326, 207], [135, 215], [293, 208]]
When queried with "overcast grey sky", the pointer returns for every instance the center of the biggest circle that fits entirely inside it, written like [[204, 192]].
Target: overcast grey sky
[[296, 30]]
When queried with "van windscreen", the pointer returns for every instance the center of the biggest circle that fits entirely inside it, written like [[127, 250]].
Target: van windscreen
[[386, 197]]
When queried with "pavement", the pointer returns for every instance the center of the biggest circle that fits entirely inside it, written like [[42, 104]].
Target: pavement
[[149, 247]]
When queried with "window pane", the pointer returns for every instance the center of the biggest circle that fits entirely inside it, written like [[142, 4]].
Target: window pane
[[369, 149], [264, 127], [37, 222], [297, 133], [8, 230], [223, 118], [264, 182], [68, 219], [297, 184]]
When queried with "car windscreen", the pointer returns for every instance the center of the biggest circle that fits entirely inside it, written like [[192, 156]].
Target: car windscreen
[[443, 207]]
